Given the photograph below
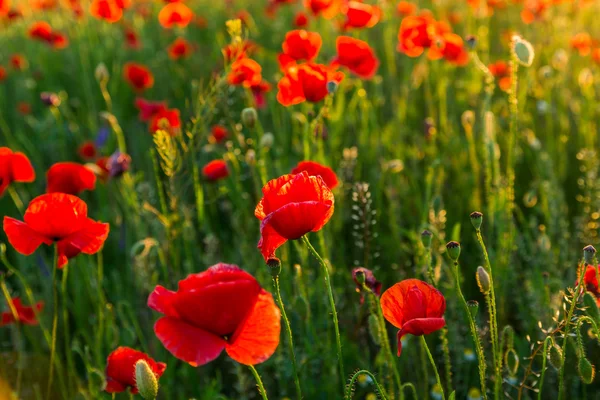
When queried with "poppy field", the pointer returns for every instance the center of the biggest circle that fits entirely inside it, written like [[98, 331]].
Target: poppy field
[[299, 199]]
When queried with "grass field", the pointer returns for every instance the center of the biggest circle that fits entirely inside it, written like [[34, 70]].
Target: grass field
[[422, 171]]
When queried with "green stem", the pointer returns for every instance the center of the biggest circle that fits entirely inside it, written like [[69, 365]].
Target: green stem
[[432, 361], [54, 323], [288, 330], [65, 314], [547, 343], [14, 195], [261, 388], [332, 304], [350, 387]]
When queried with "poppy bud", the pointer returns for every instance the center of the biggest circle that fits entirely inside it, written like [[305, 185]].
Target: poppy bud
[[591, 306], [587, 372], [468, 119], [332, 87], [483, 280], [523, 51], [426, 237], [101, 73], [374, 329], [267, 140], [145, 380], [555, 356], [359, 276], [118, 163], [476, 219], [473, 394], [473, 307], [453, 250], [274, 265], [50, 99], [471, 42], [249, 117], [588, 254], [511, 359]]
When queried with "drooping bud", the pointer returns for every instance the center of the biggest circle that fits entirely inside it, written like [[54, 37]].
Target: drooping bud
[[473, 307], [453, 250], [511, 359], [426, 237], [274, 265], [555, 356], [588, 254], [483, 280], [591, 306], [587, 372], [267, 140], [249, 117], [523, 51], [145, 380], [101, 74], [476, 219], [468, 119]]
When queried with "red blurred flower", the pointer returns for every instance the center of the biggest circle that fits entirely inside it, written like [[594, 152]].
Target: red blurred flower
[[501, 71], [3, 73], [59, 40], [590, 279], [370, 282], [14, 167], [138, 76], [300, 20], [326, 8], [107, 10], [300, 45], [26, 315], [148, 109], [582, 42], [596, 56], [167, 120], [120, 369], [40, 30], [449, 46], [357, 56], [258, 92], [215, 170], [534, 10], [132, 39], [306, 82], [56, 218], [175, 14], [414, 307], [274, 4], [245, 72], [4, 7], [222, 308], [361, 15], [18, 62], [315, 169], [291, 207], [24, 108], [87, 150], [233, 52], [218, 133], [180, 48], [70, 178], [405, 8]]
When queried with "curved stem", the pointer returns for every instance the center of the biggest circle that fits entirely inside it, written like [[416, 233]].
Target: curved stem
[[288, 330], [261, 388], [350, 387], [411, 387], [432, 361], [331, 303]]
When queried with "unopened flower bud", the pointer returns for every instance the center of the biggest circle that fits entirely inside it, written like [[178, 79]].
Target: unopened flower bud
[[359, 276], [426, 237], [468, 119], [483, 280], [555, 356], [476, 219], [588, 254], [332, 87], [101, 73], [274, 265], [511, 359], [267, 140], [249, 117], [523, 51], [145, 380], [586, 370], [453, 250]]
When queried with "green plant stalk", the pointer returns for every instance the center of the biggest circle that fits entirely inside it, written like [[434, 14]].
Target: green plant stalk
[[259, 383], [17, 332], [432, 361], [288, 330], [348, 389], [544, 362], [101, 305], [14, 195], [561, 374], [412, 388], [54, 323], [65, 315], [338, 338]]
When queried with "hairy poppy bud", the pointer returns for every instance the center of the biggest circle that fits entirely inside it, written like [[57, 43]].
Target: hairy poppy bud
[[476, 219], [101, 73], [473, 307], [267, 140], [591, 306], [145, 380], [511, 359], [274, 265], [555, 356], [588, 254], [374, 329], [359, 276], [587, 372], [523, 51], [426, 237], [453, 250], [483, 280], [249, 117]]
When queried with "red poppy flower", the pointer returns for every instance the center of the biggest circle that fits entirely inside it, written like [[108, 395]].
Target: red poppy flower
[[414, 307], [259, 91], [292, 206], [56, 218], [138, 76], [87, 150], [14, 167], [43, 5], [167, 120], [41, 31], [70, 178], [218, 133], [107, 10], [315, 169], [582, 42], [306, 82], [300, 20], [450, 46], [123, 4], [24, 108], [25, 314], [58, 40], [357, 56], [596, 56], [405, 8], [180, 48], [245, 72], [132, 39], [301, 45], [361, 15], [18, 62], [4, 7], [417, 33], [148, 109], [534, 10], [370, 282], [501, 71], [215, 170], [175, 14], [236, 51], [3, 73], [326, 8], [222, 308], [274, 4], [590, 279], [120, 369]]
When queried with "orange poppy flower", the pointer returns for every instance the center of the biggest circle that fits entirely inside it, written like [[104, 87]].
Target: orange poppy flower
[[233, 52], [582, 42], [87, 150], [501, 71], [3, 73], [451, 47], [180, 48], [326, 8], [222, 308], [218, 133], [414, 307], [291, 207], [534, 10], [300, 20], [405, 8], [132, 40], [14, 167], [56, 218], [414, 35], [107, 10], [138, 76], [69, 177], [357, 56], [306, 82], [26, 315], [313, 168], [148, 109], [24, 108], [120, 369], [4, 7], [299, 45], [259, 91], [215, 170], [245, 72], [41, 31], [175, 14], [59, 40], [167, 120], [18, 62], [361, 15], [596, 56]]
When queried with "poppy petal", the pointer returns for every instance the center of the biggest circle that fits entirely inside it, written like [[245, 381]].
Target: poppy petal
[[22, 171], [112, 386], [188, 343], [258, 337], [56, 215], [24, 239], [161, 300], [295, 220], [90, 238], [269, 241]]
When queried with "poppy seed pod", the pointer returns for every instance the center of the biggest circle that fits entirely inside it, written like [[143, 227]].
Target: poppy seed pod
[[249, 117], [483, 280], [274, 265], [471, 42], [523, 51], [588, 254], [586, 370], [473, 307], [426, 237], [332, 87], [476, 219], [453, 250], [145, 380]]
